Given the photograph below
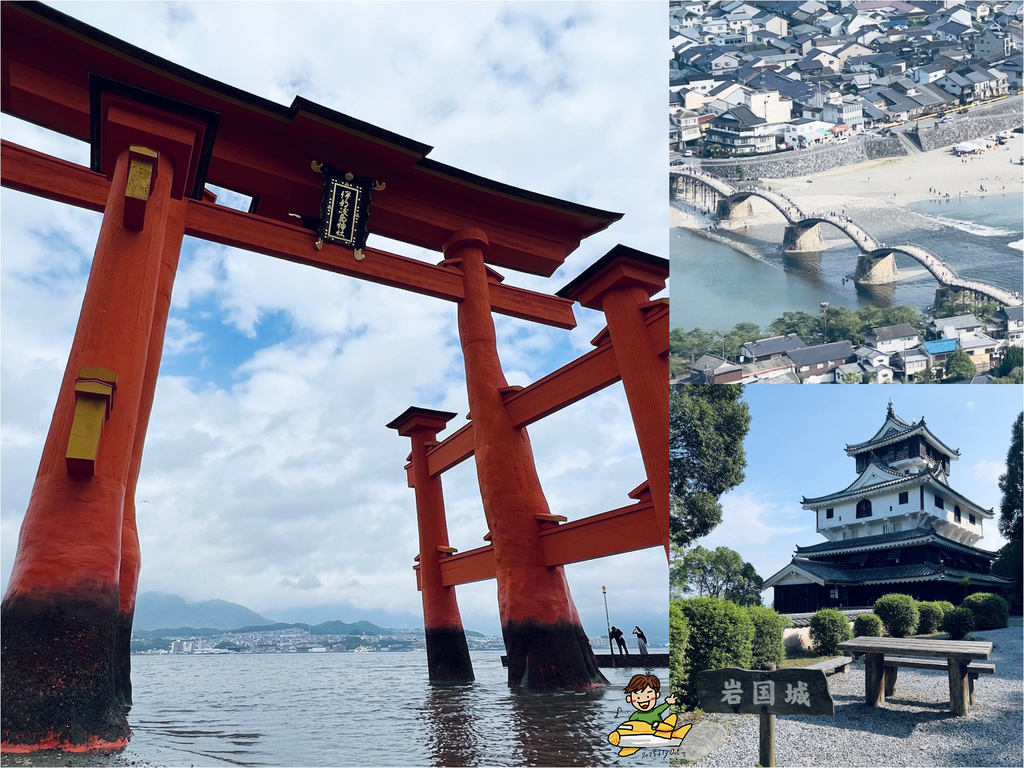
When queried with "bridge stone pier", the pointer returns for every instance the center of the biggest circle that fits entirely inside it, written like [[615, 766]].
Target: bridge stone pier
[[876, 268], [800, 239], [733, 211]]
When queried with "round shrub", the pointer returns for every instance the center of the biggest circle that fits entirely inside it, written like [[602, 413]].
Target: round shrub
[[930, 617], [829, 627], [867, 625], [678, 637], [721, 634], [946, 607], [898, 613], [990, 611], [769, 627], [958, 623]]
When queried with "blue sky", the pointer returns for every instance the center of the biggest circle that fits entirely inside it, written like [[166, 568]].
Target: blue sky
[[796, 448], [269, 478]]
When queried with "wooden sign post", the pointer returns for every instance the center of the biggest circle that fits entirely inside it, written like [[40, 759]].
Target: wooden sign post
[[766, 693]]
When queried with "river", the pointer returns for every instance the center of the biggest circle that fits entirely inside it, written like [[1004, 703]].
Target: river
[[715, 286]]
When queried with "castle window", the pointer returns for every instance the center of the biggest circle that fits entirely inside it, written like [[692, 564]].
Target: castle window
[[904, 497], [829, 513], [939, 502], [864, 508], [971, 518], [956, 514], [897, 526]]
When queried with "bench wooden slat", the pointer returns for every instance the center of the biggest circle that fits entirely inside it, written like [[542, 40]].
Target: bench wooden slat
[[841, 663], [975, 667]]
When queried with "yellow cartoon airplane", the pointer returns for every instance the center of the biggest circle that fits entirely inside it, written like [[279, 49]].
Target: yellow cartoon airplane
[[634, 735]]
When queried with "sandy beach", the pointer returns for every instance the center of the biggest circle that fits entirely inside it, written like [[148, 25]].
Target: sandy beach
[[892, 181], [903, 180]]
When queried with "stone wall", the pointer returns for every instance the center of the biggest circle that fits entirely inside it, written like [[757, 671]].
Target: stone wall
[[1002, 116], [802, 162]]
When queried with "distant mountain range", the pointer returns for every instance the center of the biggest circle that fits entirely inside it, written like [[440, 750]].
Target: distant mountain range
[[158, 610]]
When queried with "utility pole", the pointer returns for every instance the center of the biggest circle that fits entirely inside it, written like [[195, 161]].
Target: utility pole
[[608, 621]]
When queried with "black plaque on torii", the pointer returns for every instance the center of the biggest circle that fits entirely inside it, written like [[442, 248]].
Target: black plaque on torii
[[345, 208]]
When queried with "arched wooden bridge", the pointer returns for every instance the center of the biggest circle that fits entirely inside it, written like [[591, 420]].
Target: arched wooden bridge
[[869, 245]]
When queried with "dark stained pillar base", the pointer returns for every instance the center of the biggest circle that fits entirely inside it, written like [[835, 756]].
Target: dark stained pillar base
[[448, 656], [58, 674], [547, 657], [123, 660]]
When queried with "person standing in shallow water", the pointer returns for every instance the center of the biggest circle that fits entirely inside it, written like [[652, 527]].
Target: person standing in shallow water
[[641, 640], [616, 634]]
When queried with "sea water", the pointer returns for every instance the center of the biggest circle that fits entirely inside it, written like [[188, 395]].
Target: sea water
[[356, 709], [715, 286]]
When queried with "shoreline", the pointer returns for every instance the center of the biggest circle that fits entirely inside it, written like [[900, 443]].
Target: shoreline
[[875, 185], [934, 175]]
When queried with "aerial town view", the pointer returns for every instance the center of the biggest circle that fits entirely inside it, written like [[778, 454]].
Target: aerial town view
[[846, 192]]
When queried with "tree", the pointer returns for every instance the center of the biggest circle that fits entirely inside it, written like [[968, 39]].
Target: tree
[[738, 336], [719, 573], [925, 377], [896, 315], [1010, 484], [965, 303], [959, 366], [808, 327], [1014, 358], [707, 425], [1016, 376]]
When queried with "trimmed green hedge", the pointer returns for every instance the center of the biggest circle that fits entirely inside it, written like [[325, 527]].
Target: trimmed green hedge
[[930, 617], [990, 611], [867, 625], [829, 627], [678, 637], [768, 630], [958, 623], [721, 634], [898, 613]]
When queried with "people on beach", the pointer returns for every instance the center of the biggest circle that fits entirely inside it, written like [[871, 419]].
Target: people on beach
[[616, 634], [641, 640]]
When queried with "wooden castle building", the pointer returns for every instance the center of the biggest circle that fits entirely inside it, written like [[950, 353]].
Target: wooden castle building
[[898, 527]]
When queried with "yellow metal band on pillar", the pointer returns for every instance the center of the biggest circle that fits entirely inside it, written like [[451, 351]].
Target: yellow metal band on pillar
[[140, 175], [94, 396]]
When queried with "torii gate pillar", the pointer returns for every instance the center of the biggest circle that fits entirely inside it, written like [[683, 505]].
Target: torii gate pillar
[[621, 284], [448, 658], [545, 642], [71, 595]]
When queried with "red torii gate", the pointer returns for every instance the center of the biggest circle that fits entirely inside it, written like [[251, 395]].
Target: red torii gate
[[633, 349], [158, 134]]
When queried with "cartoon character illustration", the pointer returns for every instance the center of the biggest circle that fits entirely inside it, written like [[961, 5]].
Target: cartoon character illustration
[[646, 728]]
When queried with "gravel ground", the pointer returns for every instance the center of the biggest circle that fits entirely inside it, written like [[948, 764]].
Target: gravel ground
[[913, 728]]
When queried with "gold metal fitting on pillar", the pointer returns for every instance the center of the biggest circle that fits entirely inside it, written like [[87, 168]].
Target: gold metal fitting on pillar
[[94, 400], [141, 176]]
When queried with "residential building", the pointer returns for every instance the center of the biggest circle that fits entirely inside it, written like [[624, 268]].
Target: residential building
[[891, 339], [741, 132], [815, 364], [771, 348]]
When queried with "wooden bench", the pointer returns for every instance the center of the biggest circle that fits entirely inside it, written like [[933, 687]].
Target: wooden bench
[[893, 663], [830, 666], [954, 655]]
